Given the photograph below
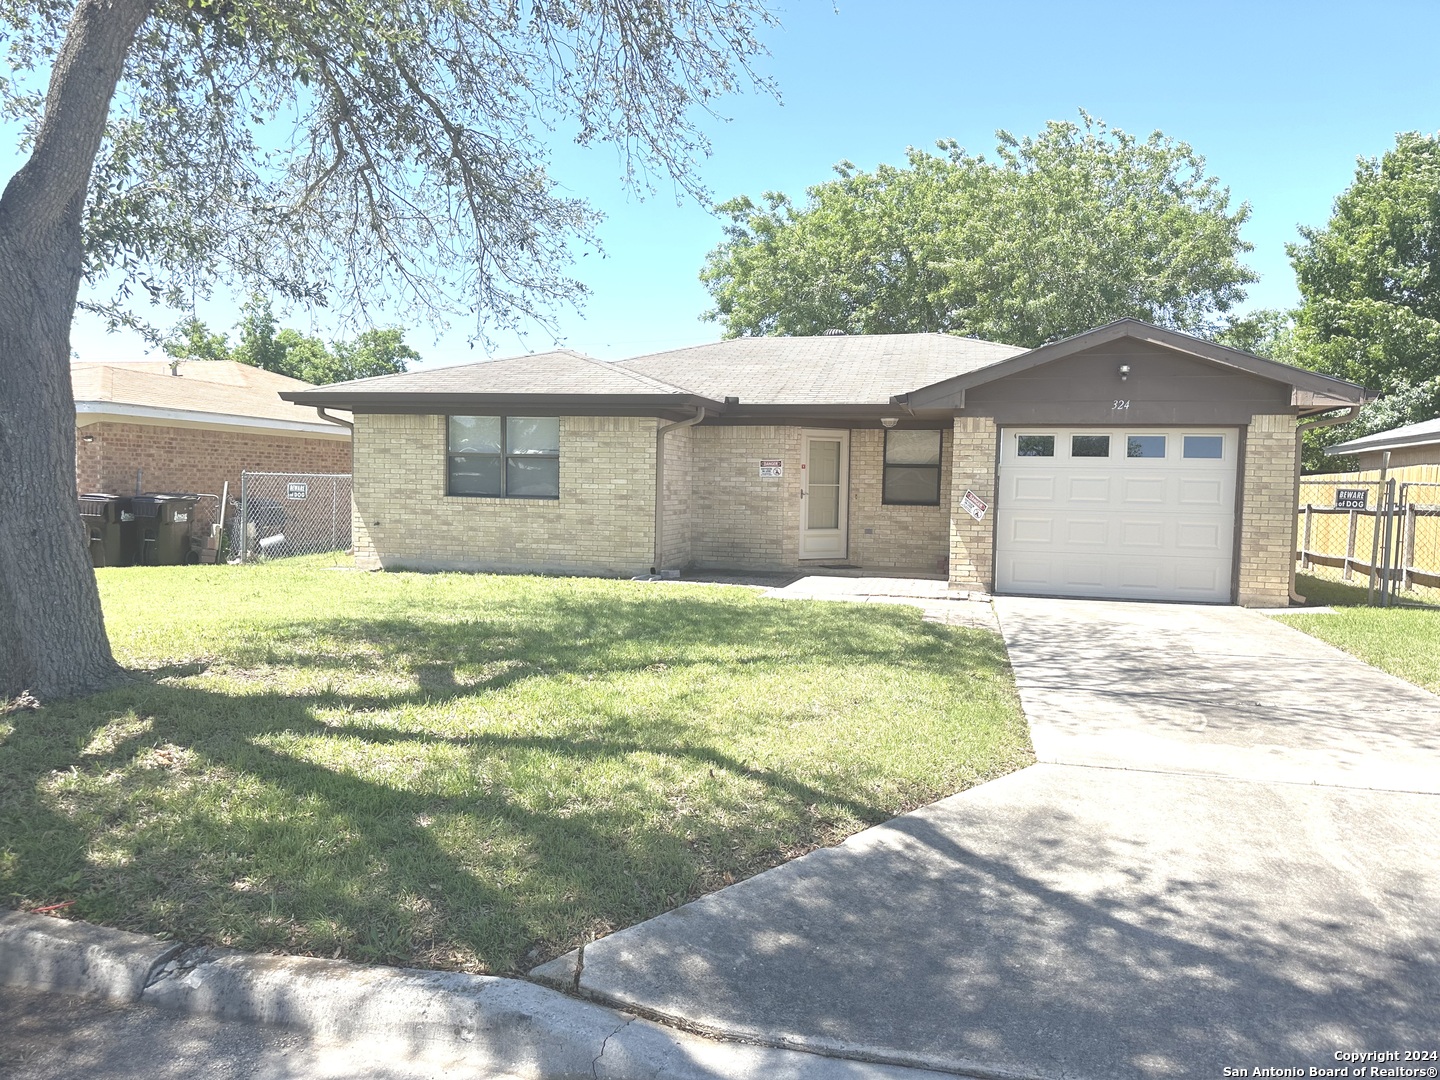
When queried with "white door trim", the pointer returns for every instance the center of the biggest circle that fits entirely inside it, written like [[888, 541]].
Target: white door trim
[[825, 543]]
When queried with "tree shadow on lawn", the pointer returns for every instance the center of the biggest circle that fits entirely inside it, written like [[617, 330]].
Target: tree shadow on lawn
[[297, 822]]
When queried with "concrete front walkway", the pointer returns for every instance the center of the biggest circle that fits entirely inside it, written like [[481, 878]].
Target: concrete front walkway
[[1227, 858]]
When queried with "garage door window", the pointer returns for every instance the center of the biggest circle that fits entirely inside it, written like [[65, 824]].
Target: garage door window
[[1090, 446], [1035, 446], [1205, 446], [1145, 446]]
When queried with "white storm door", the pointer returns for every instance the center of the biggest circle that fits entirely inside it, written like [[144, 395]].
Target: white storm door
[[824, 494], [1123, 513]]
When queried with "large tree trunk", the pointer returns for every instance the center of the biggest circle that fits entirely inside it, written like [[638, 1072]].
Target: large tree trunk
[[52, 633]]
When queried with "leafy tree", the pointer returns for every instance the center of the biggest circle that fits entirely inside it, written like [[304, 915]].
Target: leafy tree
[[260, 345], [1370, 287], [384, 153], [192, 340], [265, 344], [375, 352], [1066, 230]]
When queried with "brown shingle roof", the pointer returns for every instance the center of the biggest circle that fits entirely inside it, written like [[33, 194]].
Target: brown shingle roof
[[559, 372], [760, 371], [825, 370], [223, 387]]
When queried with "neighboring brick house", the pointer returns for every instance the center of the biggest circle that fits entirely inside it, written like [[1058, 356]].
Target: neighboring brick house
[[141, 428], [1127, 462]]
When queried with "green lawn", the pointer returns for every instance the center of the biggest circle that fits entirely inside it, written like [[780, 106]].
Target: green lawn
[[1404, 641], [474, 772]]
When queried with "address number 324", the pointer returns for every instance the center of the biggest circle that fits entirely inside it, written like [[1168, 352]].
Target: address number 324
[[1120, 406]]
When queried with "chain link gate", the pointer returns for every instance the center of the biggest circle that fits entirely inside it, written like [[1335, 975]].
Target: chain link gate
[[285, 514], [1362, 531]]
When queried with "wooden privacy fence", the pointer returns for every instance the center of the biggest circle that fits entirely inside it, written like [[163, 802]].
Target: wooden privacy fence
[[1353, 523]]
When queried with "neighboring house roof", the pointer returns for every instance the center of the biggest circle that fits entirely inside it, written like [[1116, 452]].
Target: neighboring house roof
[[1421, 434], [209, 392], [864, 374]]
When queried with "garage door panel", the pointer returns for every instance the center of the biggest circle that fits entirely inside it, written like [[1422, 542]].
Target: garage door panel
[[1201, 536], [1208, 492], [1085, 573], [1142, 534], [1144, 490], [1033, 488], [1032, 530], [1088, 489], [1086, 532], [1130, 528]]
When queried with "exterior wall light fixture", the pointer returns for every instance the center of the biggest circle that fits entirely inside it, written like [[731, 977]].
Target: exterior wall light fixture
[[1124, 372], [889, 421]]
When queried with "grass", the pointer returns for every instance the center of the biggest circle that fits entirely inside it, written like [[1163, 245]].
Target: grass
[[474, 772], [1404, 641]]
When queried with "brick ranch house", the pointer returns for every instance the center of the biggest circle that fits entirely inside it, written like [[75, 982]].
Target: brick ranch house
[[1127, 462], [138, 427]]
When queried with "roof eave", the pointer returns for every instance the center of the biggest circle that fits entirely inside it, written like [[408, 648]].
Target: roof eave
[[1361, 446], [451, 401]]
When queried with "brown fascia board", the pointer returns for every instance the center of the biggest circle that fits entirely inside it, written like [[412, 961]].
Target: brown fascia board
[[682, 405], [809, 413], [1332, 393]]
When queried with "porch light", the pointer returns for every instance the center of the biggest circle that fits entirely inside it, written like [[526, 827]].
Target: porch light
[[889, 421]]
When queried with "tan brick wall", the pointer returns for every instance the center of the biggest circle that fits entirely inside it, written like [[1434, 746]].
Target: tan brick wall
[[677, 510], [603, 522], [743, 522], [972, 543], [193, 459], [1267, 512], [894, 537]]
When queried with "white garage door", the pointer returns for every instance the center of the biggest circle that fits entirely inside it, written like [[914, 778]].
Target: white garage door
[[1128, 513]]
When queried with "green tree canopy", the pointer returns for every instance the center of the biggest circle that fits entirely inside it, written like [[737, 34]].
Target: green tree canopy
[[1065, 231], [1370, 288], [266, 344]]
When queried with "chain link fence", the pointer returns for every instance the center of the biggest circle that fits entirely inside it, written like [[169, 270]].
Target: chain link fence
[[283, 514], [1385, 536]]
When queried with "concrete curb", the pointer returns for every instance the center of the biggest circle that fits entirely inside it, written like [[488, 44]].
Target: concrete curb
[[62, 957], [501, 1026]]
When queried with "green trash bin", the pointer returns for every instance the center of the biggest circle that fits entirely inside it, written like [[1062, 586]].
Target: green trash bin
[[109, 528], [162, 523]]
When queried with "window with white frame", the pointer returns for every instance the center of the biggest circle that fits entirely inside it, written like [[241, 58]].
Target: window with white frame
[[503, 457], [912, 468]]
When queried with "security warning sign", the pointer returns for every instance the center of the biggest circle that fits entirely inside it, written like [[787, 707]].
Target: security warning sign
[[973, 505], [771, 468]]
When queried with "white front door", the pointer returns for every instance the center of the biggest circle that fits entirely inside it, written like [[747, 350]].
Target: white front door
[[824, 494], [1128, 513]]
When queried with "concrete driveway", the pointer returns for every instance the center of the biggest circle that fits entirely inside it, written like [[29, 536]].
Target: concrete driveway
[[1227, 858]]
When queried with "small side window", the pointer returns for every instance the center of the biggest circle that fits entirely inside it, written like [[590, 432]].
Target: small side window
[[1035, 446], [912, 469], [1205, 446]]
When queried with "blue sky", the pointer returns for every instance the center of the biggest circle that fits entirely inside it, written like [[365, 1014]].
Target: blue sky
[[1279, 98]]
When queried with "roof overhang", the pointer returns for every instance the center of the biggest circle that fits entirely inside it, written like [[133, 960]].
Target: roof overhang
[[1310, 392], [1370, 444], [97, 412], [680, 406]]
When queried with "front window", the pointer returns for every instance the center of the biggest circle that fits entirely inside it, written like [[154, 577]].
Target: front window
[[504, 457], [912, 468]]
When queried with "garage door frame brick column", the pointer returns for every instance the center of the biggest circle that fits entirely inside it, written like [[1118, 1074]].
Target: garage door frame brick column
[[1267, 512], [972, 543]]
